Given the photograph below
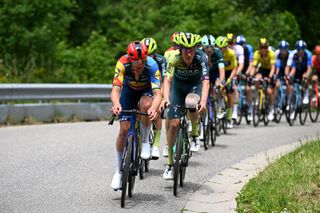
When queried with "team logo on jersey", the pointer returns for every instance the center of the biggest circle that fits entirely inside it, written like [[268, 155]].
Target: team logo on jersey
[[158, 75]]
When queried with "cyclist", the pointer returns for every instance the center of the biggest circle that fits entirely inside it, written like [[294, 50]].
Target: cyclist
[[162, 63], [139, 78], [238, 49], [247, 52], [300, 61], [172, 51], [230, 63], [266, 59], [186, 83], [282, 55], [316, 65], [215, 60]]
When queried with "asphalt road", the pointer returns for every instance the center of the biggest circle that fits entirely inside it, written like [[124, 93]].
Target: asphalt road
[[68, 167]]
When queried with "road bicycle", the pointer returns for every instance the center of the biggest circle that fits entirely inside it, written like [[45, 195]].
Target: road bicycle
[[261, 103], [182, 152], [132, 163], [295, 105]]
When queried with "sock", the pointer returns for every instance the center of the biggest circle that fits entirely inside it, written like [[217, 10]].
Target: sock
[[118, 162], [235, 108], [156, 140], [195, 128], [170, 155], [229, 114], [145, 131]]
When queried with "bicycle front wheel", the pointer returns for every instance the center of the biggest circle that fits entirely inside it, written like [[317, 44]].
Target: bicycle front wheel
[[126, 164], [204, 123], [314, 106], [177, 161], [256, 111]]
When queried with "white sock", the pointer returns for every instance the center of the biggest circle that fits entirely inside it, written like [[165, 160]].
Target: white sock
[[235, 108], [145, 131], [118, 162]]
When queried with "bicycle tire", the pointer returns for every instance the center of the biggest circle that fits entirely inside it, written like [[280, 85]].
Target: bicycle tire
[[303, 114], [126, 164], [177, 161], [314, 106], [213, 128], [278, 107], [204, 123], [185, 155], [266, 110], [291, 110], [240, 113], [256, 110], [134, 168]]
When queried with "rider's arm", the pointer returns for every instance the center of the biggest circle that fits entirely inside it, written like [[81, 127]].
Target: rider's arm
[[255, 62], [309, 64], [240, 59], [117, 84]]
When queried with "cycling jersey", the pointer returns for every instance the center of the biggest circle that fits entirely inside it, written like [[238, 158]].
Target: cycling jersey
[[230, 60], [291, 55], [315, 63], [186, 79], [238, 49], [264, 61], [248, 56], [301, 63], [162, 63], [197, 71], [281, 62], [124, 76], [216, 63]]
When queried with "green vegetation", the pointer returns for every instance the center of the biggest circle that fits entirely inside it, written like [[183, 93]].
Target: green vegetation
[[291, 184], [78, 41]]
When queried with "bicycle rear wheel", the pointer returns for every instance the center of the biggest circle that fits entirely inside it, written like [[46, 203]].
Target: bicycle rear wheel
[[314, 106], [240, 113], [126, 164], [177, 161]]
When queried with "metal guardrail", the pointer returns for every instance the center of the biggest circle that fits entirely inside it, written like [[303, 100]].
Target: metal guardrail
[[15, 92]]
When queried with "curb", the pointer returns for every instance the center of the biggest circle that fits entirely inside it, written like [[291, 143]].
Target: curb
[[219, 193]]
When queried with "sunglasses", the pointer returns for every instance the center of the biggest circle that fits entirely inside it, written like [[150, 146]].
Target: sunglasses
[[138, 62], [188, 50], [207, 46]]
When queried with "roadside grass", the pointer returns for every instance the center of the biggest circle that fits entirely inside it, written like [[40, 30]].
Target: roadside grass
[[291, 184]]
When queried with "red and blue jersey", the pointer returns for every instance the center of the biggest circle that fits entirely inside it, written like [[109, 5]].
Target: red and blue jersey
[[150, 76]]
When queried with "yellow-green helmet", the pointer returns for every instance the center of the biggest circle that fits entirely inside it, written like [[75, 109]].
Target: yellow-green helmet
[[187, 40], [222, 42], [151, 44], [176, 38], [198, 38]]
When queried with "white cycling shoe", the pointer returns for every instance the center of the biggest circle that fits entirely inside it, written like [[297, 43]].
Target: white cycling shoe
[[116, 181]]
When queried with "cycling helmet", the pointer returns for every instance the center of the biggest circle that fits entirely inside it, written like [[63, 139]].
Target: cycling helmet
[[240, 39], [198, 38], [222, 42], [137, 51], [301, 45], [283, 45], [187, 40], [151, 45], [208, 40], [317, 49], [263, 42], [230, 37]]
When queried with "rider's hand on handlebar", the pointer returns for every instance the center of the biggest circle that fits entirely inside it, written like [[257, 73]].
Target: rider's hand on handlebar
[[116, 109], [153, 114], [164, 104]]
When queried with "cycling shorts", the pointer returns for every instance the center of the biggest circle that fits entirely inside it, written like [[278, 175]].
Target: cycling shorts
[[179, 91], [130, 98]]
